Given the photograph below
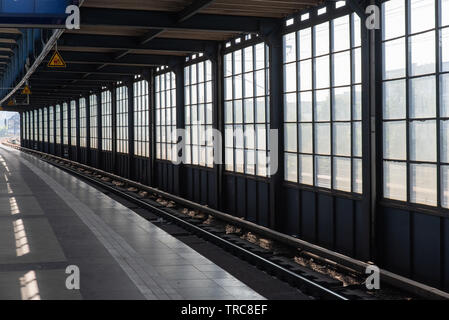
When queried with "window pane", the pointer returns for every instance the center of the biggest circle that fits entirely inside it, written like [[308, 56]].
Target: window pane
[[290, 137], [444, 92], [305, 106], [423, 184], [445, 12], [394, 59], [291, 167], [249, 84], [342, 104], [422, 53], [305, 75], [305, 43], [422, 15], [321, 38], [306, 169], [322, 138], [290, 107], [305, 138], [342, 139], [342, 174], [422, 97], [341, 68], [394, 19], [445, 186], [322, 72], [290, 47], [323, 172], [322, 109], [357, 179], [357, 101], [290, 77], [395, 180], [357, 64], [341, 33], [249, 111], [423, 141], [357, 139], [444, 134], [260, 110], [394, 100], [445, 49], [395, 146]]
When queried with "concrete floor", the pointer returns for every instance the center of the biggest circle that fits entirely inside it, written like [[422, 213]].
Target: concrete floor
[[50, 220]]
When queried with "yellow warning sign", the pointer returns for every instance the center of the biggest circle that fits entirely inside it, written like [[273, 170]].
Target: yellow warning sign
[[26, 90], [56, 61]]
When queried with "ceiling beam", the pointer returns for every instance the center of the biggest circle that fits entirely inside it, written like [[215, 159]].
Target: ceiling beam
[[193, 9], [129, 43], [81, 68], [166, 20], [143, 60]]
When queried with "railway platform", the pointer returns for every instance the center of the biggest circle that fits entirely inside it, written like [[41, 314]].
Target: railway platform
[[53, 224]]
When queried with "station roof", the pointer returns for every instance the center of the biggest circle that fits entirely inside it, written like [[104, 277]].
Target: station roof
[[120, 38]]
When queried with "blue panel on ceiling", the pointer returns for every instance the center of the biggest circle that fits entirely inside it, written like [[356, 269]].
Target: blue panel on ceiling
[[34, 7]]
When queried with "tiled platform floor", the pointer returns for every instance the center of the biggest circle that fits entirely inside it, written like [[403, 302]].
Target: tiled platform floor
[[50, 220]]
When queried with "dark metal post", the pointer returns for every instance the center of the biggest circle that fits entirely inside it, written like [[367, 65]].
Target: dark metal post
[[22, 129], [99, 130], [151, 126], [131, 138], [114, 127], [78, 131], [178, 174], [88, 151], [276, 123]]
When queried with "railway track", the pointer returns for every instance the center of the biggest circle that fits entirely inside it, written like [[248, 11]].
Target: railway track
[[277, 260]]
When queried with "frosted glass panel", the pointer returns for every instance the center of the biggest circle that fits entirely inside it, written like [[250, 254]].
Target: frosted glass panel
[[323, 172], [394, 104], [342, 174], [342, 104], [422, 53], [290, 137], [291, 167], [394, 59], [423, 184], [422, 15], [305, 138], [445, 186], [306, 169], [394, 19], [423, 146], [444, 142], [422, 97], [357, 179], [395, 145], [342, 139], [395, 180], [322, 138]]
